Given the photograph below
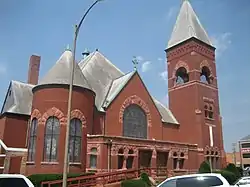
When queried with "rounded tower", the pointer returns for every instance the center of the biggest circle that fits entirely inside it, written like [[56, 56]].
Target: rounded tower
[[48, 120]]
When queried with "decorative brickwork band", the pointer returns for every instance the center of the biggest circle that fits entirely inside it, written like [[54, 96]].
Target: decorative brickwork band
[[179, 65], [79, 115], [134, 99], [54, 112]]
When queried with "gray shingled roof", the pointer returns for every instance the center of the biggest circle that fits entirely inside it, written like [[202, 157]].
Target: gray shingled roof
[[166, 114], [107, 81], [117, 85], [98, 73], [60, 73], [18, 99], [187, 26]]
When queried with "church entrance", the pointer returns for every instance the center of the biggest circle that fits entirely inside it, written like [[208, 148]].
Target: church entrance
[[144, 158]]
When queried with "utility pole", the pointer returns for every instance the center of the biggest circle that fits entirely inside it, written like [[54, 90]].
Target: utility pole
[[234, 152]]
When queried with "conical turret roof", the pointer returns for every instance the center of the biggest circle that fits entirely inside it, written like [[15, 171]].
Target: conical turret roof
[[60, 73]]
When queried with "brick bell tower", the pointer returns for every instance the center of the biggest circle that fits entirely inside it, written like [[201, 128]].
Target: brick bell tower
[[192, 86]]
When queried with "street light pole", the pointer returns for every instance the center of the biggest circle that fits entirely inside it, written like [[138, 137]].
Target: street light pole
[[72, 70]]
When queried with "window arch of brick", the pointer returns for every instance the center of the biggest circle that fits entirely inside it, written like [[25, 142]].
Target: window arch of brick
[[134, 99], [56, 113], [180, 64], [36, 114], [205, 63], [79, 115]]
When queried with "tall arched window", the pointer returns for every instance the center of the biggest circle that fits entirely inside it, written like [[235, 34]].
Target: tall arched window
[[32, 140], [51, 137], [134, 122], [75, 139]]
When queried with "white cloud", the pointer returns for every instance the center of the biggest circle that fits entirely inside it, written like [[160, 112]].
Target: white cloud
[[160, 59], [146, 66], [221, 42], [164, 76]]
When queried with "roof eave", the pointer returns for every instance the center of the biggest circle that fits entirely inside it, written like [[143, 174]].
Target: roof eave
[[188, 40]]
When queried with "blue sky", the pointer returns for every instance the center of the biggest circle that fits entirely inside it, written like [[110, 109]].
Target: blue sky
[[121, 29]]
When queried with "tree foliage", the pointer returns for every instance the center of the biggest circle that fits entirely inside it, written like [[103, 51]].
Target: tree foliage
[[205, 167]]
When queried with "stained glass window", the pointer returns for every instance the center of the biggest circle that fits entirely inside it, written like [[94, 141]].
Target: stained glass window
[[52, 132], [75, 139], [93, 158], [32, 140], [134, 122]]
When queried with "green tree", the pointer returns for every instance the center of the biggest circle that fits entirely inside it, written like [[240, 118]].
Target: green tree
[[205, 167], [232, 168]]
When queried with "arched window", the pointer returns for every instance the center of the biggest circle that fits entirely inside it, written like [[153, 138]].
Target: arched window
[[205, 75], [181, 76], [93, 158], [32, 140], [75, 140], [130, 159], [134, 122], [206, 111], [52, 132], [120, 158], [211, 112]]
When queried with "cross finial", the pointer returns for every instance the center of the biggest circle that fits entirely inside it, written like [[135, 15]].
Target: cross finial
[[135, 62]]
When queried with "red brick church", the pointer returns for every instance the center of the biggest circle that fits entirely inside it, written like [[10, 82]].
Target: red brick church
[[115, 122]]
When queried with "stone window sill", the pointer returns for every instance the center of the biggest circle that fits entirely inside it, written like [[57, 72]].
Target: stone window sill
[[49, 163], [180, 170], [210, 119], [30, 163], [75, 163]]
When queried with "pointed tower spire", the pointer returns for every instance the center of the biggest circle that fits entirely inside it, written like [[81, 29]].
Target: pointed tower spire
[[187, 26]]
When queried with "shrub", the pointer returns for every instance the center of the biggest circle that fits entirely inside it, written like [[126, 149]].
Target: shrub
[[37, 179], [232, 168], [145, 178], [205, 167], [134, 183], [229, 176], [240, 170]]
